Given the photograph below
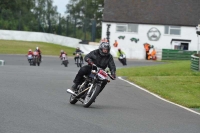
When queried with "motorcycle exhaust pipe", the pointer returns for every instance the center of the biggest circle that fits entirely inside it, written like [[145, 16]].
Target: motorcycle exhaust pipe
[[71, 92]]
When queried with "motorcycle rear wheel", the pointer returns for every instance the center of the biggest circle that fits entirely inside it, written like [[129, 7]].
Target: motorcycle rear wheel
[[89, 99]]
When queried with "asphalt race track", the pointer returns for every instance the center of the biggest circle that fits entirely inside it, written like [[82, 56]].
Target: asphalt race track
[[34, 100]]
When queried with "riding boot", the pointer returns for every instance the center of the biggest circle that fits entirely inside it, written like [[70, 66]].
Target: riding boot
[[74, 87]]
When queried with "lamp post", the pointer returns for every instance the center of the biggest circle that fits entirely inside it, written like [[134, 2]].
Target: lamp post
[[85, 11], [108, 33], [75, 18], [20, 14], [67, 32], [59, 26], [198, 33], [93, 33]]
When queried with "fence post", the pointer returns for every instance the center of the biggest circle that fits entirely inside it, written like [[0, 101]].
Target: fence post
[[199, 63]]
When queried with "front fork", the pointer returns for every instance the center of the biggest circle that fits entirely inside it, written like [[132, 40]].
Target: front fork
[[95, 83]]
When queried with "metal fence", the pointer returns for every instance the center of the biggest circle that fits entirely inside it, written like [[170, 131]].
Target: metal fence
[[169, 54], [195, 63]]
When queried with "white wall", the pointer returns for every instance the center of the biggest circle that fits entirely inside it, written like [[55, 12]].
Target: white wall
[[45, 37], [39, 37], [136, 50]]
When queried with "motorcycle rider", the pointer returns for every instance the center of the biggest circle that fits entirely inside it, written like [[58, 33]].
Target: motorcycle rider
[[62, 52], [30, 53], [40, 52], [78, 51], [147, 48], [100, 57], [120, 53], [61, 55]]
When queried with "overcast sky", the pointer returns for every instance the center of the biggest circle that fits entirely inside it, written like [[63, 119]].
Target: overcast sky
[[61, 5]]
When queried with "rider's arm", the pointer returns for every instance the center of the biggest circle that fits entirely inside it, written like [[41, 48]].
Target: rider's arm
[[90, 56], [111, 65]]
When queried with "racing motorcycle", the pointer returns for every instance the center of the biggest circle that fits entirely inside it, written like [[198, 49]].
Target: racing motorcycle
[[36, 58], [64, 60], [122, 59], [91, 86], [78, 60]]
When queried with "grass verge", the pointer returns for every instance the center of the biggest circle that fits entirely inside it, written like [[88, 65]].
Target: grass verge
[[22, 47], [174, 81]]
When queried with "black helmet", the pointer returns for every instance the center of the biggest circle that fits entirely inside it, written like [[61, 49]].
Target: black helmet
[[104, 45]]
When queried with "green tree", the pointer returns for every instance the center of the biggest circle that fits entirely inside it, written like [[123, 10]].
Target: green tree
[[84, 11]]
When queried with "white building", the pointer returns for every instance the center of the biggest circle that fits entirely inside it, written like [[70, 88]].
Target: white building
[[166, 24]]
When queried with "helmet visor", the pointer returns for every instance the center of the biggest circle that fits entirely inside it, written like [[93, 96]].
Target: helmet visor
[[104, 50]]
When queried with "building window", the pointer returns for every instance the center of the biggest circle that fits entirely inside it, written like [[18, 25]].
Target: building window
[[127, 28], [172, 30], [182, 46], [121, 28]]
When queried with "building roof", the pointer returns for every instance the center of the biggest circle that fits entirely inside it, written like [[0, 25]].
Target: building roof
[[162, 12]]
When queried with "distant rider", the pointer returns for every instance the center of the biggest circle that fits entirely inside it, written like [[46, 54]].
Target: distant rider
[[30, 55], [121, 56], [62, 52], [78, 51], [39, 52], [63, 56], [30, 52]]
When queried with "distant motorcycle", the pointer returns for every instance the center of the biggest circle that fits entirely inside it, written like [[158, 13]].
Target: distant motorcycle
[[90, 88], [30, 59], [122, 59], [78, 60], [64, 60], [36, 58]]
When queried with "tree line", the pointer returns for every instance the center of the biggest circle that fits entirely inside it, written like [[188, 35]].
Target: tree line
[[82, 18]]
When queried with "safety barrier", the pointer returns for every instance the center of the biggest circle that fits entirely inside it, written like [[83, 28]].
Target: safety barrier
[[2, 62], [195, 63], [169, 54]]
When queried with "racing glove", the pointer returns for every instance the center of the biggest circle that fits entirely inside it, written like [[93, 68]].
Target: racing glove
[[89, 61], [113, 75]]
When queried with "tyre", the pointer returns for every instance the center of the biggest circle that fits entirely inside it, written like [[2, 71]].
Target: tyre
[[65, 62], [80, 64], [77, 62], [37, 62], [34, 63], [89, 99], [72, 99], [123, 61]]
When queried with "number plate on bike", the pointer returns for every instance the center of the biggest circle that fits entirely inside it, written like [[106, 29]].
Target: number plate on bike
[[102, 74]]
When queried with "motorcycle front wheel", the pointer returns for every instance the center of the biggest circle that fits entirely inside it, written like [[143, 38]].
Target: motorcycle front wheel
[[89, 99], [80, 64], [77, 62]]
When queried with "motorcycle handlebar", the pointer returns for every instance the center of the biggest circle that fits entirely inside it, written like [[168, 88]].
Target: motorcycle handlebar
[[109, 74]]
